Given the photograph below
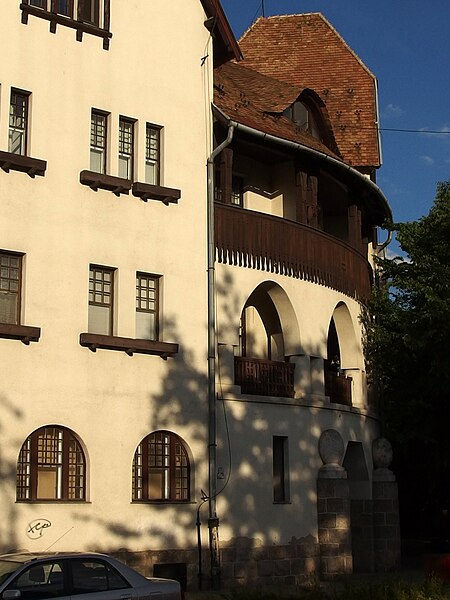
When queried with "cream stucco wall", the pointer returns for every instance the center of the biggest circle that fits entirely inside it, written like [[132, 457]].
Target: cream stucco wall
[[153, 73]]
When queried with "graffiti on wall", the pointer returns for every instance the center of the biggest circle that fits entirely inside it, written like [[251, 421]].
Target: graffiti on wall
[[36, 528]]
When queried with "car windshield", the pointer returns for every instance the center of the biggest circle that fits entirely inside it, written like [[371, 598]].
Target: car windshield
[[7, 567]]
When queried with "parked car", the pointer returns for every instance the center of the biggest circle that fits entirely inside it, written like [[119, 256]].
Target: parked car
[[81, 576]]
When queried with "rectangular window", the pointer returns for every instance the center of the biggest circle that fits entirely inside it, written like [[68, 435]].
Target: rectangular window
[[18, 122], [89, 11], [10, 280], [99, 123], [237, 191], [280, 469], [39, 3], [101, 300], [152, 154], [126, 148], [147, 306], [65, 7]]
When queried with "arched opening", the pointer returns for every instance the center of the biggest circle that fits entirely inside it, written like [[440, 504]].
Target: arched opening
[[51, 466], [161, 469], [268, 334], [341, 348]]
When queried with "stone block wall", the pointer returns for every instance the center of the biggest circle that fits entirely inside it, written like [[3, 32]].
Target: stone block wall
[[334, 524], [386, 525], [243, 561], [361, 513]]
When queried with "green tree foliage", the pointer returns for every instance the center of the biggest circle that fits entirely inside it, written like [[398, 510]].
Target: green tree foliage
[[407, 338]]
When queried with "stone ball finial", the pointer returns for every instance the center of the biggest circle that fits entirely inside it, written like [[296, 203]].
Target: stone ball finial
[[382, 453], [331, 447]]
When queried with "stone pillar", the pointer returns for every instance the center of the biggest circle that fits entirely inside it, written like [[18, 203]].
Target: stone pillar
[[333, 509], [385, 508], [302, 375]]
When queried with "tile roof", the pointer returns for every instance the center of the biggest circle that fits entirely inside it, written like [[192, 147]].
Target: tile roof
[[307, 52], [257, 101]]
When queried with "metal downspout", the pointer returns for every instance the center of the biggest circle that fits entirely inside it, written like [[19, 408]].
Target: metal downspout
[[213, 521]]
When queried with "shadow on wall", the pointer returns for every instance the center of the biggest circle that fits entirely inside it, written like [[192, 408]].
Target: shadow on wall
[[8, 538]]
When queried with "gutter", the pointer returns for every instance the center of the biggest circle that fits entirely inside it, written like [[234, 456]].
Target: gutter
[[322, 156], [213, 520]]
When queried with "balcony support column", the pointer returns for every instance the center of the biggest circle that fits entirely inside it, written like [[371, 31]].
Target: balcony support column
[[225, 376], [354, 226], [226, 174], [302, 375], [307, 207]]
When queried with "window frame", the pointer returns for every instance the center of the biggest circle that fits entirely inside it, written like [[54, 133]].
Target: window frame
[[29, 467], [280, 469], [154, 161], [96, 116], [19, 256], [26, 117], [94, 268], [142, 469], [123, 142], [156, 279]]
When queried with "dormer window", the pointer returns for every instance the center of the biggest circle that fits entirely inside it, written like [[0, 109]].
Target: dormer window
[[302, 115]]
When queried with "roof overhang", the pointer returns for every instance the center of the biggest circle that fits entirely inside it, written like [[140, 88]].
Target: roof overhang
[[226, 46], [371, 194]]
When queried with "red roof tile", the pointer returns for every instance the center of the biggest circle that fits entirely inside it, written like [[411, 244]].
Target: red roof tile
[[256, 100], [305, 51]]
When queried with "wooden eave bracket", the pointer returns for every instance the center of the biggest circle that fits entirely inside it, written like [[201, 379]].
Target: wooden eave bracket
[[130, 346], [25, 164], [56, 19], [24, 333], [96, 181], [148, 191]]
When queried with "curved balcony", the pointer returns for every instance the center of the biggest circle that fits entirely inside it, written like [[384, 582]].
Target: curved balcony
[[256, 240]]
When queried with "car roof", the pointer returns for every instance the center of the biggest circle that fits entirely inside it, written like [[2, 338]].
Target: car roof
[[24, 556]]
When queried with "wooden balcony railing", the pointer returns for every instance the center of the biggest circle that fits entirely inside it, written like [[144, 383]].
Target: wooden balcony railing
[[338, 388], [264, 377], [255, 240]]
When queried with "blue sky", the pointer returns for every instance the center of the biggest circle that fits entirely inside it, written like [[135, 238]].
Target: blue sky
[[406, 44]]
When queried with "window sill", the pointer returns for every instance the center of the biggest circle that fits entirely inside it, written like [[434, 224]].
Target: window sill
[[96, 181], [162, 502], [55, 20], [128, 345], [147, 191], [24, 333], [25, 164]]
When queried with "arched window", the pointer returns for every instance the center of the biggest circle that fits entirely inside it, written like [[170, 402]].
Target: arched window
[[303, 116], [161, 469], [51, 466]]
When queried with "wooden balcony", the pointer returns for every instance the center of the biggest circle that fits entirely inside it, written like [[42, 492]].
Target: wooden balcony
[[255, 240], [338, 388], [264, 377]]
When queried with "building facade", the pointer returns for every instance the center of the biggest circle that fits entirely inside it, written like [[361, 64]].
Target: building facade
[[106, 128]]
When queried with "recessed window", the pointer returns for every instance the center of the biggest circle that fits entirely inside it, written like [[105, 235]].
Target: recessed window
[[99, 130], [302, 115], [39, 3], [89, 11], [280, 469], [147, 306], [51, 466], [161, 469], [10, 284], [126, 147], [65, 7], [101, 300], [18, 122], [152, 154]]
